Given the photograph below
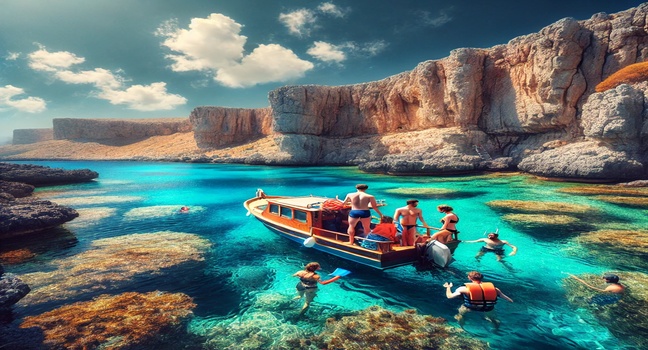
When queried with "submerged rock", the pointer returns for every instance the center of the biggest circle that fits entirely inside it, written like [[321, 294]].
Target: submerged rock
[[12, 289], [617, 247], [607, 190], [539, 207], [111, 263], [377, 328], [124, 321]]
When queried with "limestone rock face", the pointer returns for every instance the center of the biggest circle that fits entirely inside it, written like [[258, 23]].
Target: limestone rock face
[[117, 129], [584, 160], [614, 116], [529, 103], [218, 126], [27, 136]]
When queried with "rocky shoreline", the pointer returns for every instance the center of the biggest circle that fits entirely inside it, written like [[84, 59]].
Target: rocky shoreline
[[21, 213]]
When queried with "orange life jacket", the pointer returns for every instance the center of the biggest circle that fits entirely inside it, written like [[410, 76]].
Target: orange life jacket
[[481, 297]]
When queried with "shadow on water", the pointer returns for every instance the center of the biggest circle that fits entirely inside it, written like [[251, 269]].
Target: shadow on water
[[44, 245]]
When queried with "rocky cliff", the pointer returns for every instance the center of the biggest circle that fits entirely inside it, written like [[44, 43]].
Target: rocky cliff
[[117, 129], [529, 104], [219, 126], [526, 102], [27, 136]]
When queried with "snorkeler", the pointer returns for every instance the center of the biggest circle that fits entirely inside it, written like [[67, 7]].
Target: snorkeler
[[478, 296], [613, 291], [307, 285], [493, 245]]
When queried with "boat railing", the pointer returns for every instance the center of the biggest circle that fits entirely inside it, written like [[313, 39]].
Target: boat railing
[[383, 246]]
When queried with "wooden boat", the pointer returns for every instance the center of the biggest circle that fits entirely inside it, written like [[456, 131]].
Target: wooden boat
[[309, 221]]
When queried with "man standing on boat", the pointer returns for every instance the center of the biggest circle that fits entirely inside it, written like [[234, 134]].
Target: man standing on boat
[[409, 215], [360, 202]]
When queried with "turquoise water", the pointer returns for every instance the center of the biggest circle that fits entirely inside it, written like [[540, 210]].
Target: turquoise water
[[247, 260]]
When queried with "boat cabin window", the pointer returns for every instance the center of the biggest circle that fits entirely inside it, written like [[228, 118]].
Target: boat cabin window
[[274, 209], [300, 216], [286, 212]]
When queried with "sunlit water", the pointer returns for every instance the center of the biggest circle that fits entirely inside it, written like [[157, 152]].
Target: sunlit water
[[247, 259]]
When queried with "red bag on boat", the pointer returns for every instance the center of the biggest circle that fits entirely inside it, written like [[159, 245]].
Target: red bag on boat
[[333, 204]]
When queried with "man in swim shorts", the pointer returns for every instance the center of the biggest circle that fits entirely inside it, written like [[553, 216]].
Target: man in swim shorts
[[611, 294], [493, 245], [360, 203], [409, 215]]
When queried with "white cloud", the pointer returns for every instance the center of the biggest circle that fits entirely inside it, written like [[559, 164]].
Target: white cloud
[[209, 43], [297, 21], [152, 97], [267, 63], [437, 21], [214, 45], [331, 9], [101, 78], [27, 104], [109, 85], [373, 48], [12, 56], [44, 60], [326, 52]]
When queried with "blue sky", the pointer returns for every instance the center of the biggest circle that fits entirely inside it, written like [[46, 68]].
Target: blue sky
[[162, 58]]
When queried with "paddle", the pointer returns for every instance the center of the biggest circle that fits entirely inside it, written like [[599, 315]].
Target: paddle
[[340, 272]]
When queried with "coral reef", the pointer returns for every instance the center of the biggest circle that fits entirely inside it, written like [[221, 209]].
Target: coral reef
[[607, 190], [126, 321], [270, 324], [421, 192], [517, 206], [16, 256], [629, 247], [377, 328], [627, 319], [641, 202], [92, 216], [90, 200], [158, 211], [112, 262], [541, 220]]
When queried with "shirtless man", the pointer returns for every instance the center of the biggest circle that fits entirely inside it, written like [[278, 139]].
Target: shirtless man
[[409, 215], [360, 202], [493, 245]]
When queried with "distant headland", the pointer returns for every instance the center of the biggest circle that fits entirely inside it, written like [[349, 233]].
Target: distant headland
[[568, 102]]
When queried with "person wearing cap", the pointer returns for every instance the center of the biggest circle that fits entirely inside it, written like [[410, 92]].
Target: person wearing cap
[[478, 296], [493, 245]]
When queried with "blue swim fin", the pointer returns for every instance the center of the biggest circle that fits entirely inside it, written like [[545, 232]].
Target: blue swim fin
[[340, 272]]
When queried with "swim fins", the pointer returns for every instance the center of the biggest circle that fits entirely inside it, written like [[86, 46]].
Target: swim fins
[[340, 272]]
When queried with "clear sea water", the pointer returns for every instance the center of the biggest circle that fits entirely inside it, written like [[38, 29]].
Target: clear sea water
[[540, 317]]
